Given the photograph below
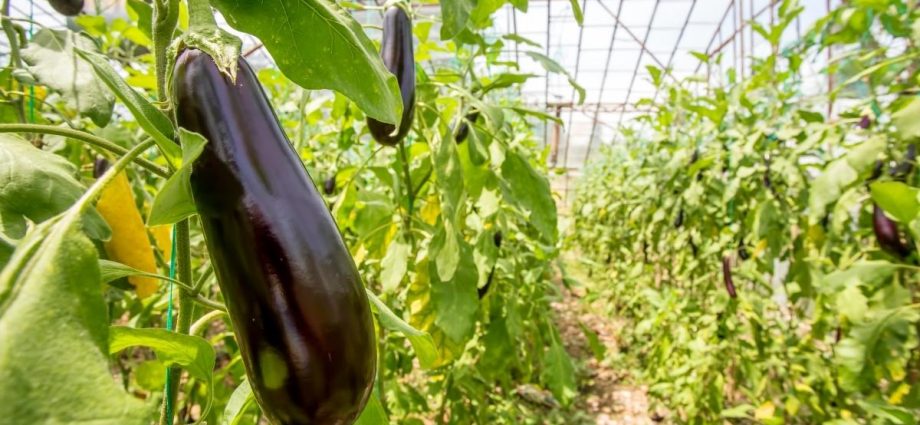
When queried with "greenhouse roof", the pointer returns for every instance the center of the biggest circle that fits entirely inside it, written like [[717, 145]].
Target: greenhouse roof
[[608, 54]]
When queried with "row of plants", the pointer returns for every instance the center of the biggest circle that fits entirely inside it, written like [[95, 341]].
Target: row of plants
[[188, 239], [771, 274]]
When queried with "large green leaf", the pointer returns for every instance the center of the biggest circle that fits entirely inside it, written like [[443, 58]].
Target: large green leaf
[[37, 185], [906, 119], [318, 45], [174, 201], [239, 401], [173, 349], [54, 325], [840, 174], [421, 342], [455, 301], [530, 190], [373, 413], [897, 199], [559, 373], [454, 16], [51, 60]]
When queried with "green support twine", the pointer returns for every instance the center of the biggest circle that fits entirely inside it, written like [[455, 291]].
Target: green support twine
[[169, 318]]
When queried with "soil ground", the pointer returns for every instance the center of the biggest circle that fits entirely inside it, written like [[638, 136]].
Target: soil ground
[[605, 394]]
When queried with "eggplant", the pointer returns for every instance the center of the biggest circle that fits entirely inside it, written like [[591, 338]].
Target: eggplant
[[742, 251], [464, 130], [865, 122], [397, 53], [727, 277], [329, 185], [906, 166], [497, 239], [296, 301], [679, 221], [485, 288], [67, 7], [887, 234]]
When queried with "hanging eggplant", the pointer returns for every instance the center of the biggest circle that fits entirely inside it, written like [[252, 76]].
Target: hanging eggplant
[[398, 56], [329, 185], [464, 130], [727, 277], [887, 234], [296, 301], [67, 7]]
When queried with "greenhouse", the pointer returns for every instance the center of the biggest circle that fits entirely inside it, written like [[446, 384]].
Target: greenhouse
[[292, 212]]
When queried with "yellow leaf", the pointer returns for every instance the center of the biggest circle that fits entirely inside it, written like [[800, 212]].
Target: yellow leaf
[[162, 235], [431, 210], [759, 248], [129, 244], [765, 411], [898, 395]]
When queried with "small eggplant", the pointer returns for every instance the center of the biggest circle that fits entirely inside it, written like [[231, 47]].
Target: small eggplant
[[464, 130], [497, 239], [485, 288], [329, 185], [679, 221], [727, 277], [887, 234], [397, 53], [67, 7]]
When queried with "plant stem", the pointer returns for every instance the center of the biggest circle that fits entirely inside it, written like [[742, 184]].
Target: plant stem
[[15, 59], [85, 137], [409, 193], [165, 18], [183, 318]]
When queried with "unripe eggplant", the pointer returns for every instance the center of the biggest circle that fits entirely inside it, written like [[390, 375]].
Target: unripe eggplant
[[296, 301], [742, 250], [67, 7], [485, 288], [398, 56], [906, 166], [887, 234], [464, 130], [727, 277], [329, 185]]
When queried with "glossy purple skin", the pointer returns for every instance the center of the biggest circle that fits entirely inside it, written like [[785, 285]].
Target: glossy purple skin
[[295, 298], [67, 7], [727, 277], [398, 55], [886, 233]]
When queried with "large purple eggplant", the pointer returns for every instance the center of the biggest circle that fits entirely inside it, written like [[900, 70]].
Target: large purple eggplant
[[296, 301], [399, 57]]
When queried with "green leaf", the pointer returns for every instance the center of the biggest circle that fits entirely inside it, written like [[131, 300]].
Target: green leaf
[[445, 248], [239, 401], [559, 373], [840, 174], [422, 343], [154, 122], [576, 11], [319, 45], [873, 343], [530, 190], [897, 199], [539, 114], [393, 266], [111, 270], [867, 273], [552, 66], [594, 342], [174, 201], [37, 185], [193, 353], [906, 120], [454, 16], [51, 60], [373, 413], [505, 80], [456, 301], [521, 40], [55, 325]]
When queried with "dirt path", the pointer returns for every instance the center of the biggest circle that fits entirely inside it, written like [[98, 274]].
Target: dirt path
[[605, 393]]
